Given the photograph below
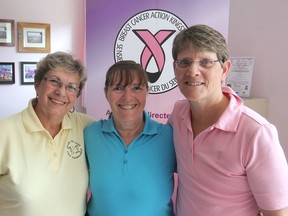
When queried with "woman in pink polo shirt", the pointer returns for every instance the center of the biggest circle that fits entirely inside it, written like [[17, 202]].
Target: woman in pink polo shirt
[[229, 158]]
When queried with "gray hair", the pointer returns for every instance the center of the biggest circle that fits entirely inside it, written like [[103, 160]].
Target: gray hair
[[63, 61], [201, 38]]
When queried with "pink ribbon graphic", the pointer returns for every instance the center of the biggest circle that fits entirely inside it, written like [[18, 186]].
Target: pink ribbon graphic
[[153, 49]]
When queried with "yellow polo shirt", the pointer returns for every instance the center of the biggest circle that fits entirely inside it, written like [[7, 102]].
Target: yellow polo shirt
[[41, 175]]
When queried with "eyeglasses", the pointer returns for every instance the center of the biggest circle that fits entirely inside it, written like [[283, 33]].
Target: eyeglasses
[[71, 88], [186, 62]]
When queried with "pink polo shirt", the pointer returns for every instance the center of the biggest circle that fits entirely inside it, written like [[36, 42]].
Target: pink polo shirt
[[233, 167]]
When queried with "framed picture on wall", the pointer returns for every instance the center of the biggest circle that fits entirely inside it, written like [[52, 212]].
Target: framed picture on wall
[[6, 32], [7, 73], [33, 37], [27, 70]]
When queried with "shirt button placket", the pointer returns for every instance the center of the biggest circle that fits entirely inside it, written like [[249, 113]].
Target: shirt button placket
[[125, 161]]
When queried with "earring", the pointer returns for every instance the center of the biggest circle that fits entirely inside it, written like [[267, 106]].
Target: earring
[[72, 109]]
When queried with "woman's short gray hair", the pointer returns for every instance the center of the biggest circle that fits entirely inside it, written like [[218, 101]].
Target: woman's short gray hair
[[201, 38], [63, 61]]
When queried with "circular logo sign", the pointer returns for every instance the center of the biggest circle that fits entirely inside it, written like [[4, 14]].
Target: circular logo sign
[[147, 38], [74, 149]]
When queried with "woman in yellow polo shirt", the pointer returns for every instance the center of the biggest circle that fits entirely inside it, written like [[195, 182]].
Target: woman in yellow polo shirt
[[42, 160]]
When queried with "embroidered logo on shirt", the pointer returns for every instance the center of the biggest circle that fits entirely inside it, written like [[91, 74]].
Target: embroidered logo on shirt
[[219, 155], [74, 149]]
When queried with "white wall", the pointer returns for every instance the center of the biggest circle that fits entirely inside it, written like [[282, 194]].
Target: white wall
[[259, 28], [67, 20]]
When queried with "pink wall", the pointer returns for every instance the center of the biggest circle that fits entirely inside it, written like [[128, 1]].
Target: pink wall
[[259, 28], [67, 20]]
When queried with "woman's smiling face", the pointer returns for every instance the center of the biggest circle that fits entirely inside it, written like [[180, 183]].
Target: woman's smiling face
[[56, 100], [199, 74], [127, 102]]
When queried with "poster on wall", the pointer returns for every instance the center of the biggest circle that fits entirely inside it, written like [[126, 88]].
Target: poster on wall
[[144, 33], [240, 76]]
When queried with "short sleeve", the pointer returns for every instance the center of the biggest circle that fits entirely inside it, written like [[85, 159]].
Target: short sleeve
[[267, 169]]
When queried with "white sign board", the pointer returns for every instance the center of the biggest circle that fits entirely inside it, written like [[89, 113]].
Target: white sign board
[[240, 75]]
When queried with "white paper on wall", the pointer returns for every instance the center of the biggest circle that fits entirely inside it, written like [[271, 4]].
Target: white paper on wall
[[240, 75]]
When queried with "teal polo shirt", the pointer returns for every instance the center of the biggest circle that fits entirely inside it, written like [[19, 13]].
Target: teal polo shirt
[[130, 181]]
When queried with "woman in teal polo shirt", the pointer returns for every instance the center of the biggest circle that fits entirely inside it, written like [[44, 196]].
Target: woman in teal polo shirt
[[131, 157]]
